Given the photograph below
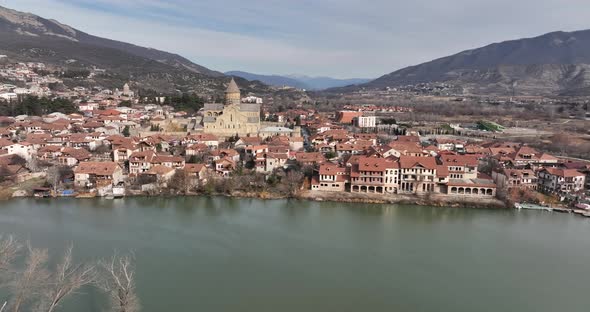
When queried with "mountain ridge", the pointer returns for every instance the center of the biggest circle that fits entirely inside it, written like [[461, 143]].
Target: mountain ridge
[[543, 64], [28, 37]]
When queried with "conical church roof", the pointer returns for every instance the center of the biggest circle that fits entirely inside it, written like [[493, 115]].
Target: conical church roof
[[232, 87]]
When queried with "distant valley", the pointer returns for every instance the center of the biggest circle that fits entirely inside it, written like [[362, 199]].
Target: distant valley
[[299, 81]]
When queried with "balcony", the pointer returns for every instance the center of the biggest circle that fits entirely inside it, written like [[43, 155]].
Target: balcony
[[375, 183]]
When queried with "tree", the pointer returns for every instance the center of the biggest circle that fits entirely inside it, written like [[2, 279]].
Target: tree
[[126, 131], [33, 164], [118, 281], [53, 177], [180, 181], [5, 174], [32, 105], [65, 280], [330, 155], [29, 282], [35, 287], [293, 181]]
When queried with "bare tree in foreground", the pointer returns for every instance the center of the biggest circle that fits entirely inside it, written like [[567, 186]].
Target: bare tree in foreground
[[27, 284], [34, 287], [118, 281], [65, 281]]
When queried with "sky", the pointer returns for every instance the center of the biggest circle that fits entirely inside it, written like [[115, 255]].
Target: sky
[[337, 38]]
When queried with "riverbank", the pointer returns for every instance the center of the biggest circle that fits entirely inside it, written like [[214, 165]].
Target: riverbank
[[432, 200], [437, 200]]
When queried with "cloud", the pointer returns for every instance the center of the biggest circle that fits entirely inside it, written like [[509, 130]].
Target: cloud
[[342, 38]]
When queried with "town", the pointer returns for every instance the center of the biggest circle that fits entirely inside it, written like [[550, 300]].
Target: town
[[114, 144]]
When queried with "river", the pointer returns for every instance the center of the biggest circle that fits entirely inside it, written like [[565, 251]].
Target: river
[[224, 254]]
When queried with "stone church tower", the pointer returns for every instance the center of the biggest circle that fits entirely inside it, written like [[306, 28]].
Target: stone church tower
[[232, 93]]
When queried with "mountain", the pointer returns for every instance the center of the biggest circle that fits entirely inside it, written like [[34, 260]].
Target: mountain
[[299, 81], [26, 37], [320, 83], [556, 63], [273, 80]]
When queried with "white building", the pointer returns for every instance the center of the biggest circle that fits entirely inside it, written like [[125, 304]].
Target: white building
[[365, 121], [252, 99], [23, 149], [8, 96]]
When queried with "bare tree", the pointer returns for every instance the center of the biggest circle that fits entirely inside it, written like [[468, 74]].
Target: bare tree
[[180, 181], [9, 249], [66, 280], [35, 288], [53, 177], [119, 283], [33, 164], [27, 284], [291, 183]]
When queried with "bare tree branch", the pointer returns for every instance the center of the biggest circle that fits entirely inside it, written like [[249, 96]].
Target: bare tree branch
[[28, 283], [66, 280], [9, 249], [119, 283]]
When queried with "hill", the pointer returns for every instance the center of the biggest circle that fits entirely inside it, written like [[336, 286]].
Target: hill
[[556, 63], [29, 38]]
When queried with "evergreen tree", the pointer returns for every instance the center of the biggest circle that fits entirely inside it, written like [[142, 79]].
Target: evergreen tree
[[126, 131]]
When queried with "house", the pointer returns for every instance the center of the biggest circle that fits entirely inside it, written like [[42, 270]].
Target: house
[[71, 156], [374, 175], [91, 173], [196, 149], [347, 117], [561, 181], [225, 153], [460, 166], [406, 148], [197, 171], [271, 162], [515, 178], [365, 121], [161, 174], [175, 162], [312, 158], [245, 141], [23, 149], [140, 162], [526, 156], [418, 175], [208, 139], [331, 178], [352, 148], [482, 186], [224, 166]]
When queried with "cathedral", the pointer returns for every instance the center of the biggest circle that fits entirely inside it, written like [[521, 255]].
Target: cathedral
[[232, 117]]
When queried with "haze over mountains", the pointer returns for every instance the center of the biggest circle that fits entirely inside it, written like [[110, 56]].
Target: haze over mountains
[[299, 81], [556, 63]]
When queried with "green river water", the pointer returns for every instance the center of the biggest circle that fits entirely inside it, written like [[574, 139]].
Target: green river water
[[222, 254]]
